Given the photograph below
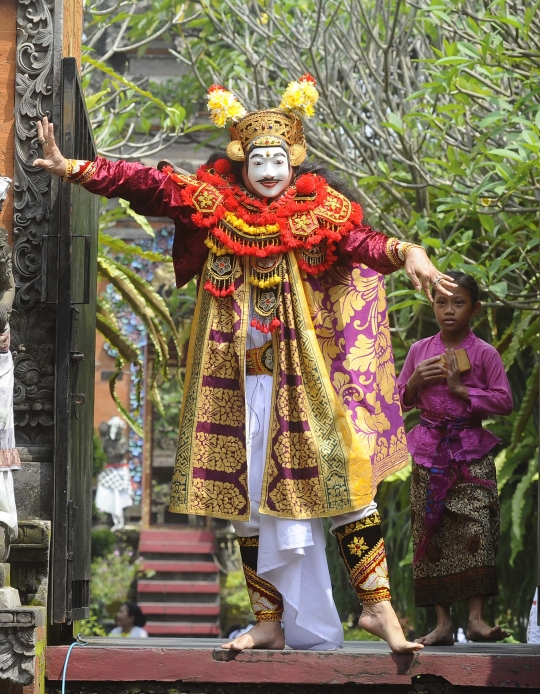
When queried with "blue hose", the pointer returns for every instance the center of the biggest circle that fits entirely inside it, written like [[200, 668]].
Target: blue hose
[[78, 642]]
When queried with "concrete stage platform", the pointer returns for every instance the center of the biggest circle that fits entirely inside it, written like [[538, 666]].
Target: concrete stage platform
[[365, 663]]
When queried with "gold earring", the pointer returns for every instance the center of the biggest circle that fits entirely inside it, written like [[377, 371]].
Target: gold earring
[[297, 154], [235, 151]]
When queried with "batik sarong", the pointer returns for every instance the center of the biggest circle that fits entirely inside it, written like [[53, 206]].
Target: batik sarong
[[459, 562]]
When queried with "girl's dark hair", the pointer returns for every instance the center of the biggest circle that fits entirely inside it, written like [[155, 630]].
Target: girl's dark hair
[[308, 166], [466, 282], [135, 611]]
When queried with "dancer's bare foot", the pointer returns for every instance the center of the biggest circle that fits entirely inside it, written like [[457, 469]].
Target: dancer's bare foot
[[267, 635], [440, 636], [478, 630], [381, 620]]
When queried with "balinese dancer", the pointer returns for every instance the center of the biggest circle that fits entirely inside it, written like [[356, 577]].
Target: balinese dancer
[[290, 411], [454, 502]]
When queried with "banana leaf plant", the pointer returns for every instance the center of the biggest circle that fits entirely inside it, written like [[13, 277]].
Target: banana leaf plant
[[114, 256]]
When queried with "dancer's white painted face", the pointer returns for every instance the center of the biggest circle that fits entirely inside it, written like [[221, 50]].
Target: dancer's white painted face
[[267, 172]]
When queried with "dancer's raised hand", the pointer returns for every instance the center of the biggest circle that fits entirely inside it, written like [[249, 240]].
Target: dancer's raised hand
[[53, 160], [424, 275]]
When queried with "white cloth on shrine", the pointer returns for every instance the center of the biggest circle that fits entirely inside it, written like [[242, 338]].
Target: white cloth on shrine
[[292, 554], [9, 456], [8, 509], [114, 493]]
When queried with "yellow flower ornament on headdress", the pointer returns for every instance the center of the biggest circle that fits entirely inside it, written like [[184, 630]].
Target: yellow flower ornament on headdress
[[271, 125], [301, 96], [224, 106]]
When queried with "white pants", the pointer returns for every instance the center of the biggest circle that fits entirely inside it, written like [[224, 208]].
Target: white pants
[[292, 553], [8, 509]]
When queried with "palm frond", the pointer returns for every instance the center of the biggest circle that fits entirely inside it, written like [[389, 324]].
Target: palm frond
[[527, 406], [107, 326], [514, 348], [521, 501], [153, 299], [119, 404], [115, 274], [508, 461], [131, 249], [139, 218]]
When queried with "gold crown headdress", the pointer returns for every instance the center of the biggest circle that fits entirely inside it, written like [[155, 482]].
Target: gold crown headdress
[[267, 128]]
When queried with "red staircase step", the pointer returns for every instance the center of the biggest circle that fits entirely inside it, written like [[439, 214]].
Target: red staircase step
[[180, 566], [180, 628], [155, 608], [177, 547], [149, 586], [187, 536], [171, 551]]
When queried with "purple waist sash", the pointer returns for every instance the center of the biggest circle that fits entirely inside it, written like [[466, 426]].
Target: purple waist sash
[[444, 472]]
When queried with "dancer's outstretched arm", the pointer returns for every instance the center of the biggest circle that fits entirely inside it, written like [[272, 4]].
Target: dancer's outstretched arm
[[385, 255], [149, 191]]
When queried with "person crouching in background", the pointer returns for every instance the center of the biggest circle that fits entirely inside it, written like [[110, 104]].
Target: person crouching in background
[[130, 620]]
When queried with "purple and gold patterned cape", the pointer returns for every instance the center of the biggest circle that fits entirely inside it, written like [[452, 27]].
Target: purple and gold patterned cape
[[335, 428]]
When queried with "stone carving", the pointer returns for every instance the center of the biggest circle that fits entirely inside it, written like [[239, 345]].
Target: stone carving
[[227, 550], [30, 561], [161, 497], [18, 637], [32, 344], [114, 439], [33, 327]]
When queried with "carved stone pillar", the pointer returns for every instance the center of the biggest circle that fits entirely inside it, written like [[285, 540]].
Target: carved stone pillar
[[33, 319], [22, 649], [38, 39]]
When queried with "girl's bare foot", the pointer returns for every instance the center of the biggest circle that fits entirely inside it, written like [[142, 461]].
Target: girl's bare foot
[[267, 635], [478, 630], [440, 636], [381, 620]]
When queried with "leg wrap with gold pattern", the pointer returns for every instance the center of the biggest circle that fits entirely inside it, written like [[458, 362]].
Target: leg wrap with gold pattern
[[266, 601], [361, 547]]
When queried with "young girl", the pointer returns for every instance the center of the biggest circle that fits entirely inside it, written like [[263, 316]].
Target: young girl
[[454, 502]]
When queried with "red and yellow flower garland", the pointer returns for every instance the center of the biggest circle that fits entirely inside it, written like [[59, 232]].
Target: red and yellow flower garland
[[307, 194], [240, 224]]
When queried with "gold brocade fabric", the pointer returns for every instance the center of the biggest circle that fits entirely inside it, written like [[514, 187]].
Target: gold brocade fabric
[[349, 312], [318, 461]]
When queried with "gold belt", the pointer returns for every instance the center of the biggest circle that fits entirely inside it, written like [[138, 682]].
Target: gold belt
[[260, 360]]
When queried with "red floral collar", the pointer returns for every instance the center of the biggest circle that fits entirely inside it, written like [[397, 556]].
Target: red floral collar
[[303, 215]]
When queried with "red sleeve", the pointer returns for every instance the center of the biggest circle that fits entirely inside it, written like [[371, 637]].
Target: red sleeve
[[149, 191], [154, 193], [365, 245]]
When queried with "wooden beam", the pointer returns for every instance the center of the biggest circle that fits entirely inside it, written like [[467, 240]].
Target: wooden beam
[[160, 660]]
